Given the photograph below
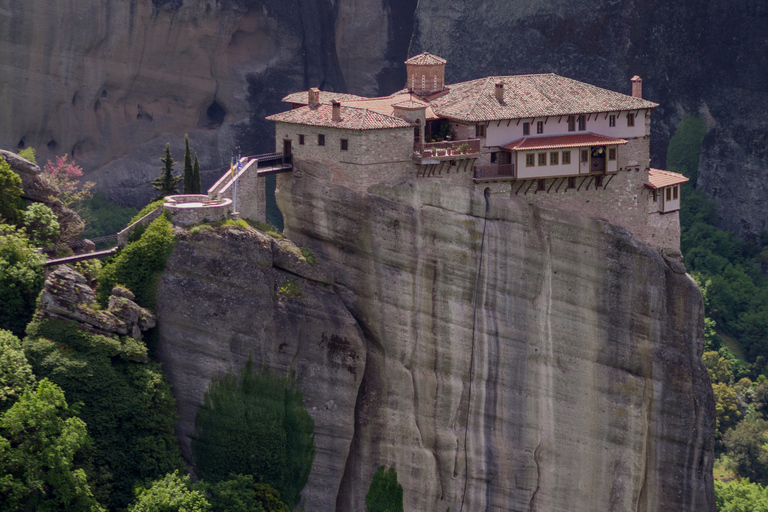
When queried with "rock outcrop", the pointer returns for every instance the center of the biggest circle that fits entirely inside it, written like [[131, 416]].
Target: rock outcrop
[[67, 296], [531, 361]]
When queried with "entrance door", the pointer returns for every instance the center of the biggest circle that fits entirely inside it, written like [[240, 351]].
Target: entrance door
[[287, 147], [598, 159]]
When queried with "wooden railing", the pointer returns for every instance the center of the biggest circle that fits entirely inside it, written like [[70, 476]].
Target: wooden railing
[[453, 149], [490, 171]]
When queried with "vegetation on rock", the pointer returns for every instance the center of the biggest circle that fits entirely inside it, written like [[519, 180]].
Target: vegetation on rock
[[172, 493], [385, 493], [166, 184], [41, 225], [10, 194], [15, 372], [21, 279]]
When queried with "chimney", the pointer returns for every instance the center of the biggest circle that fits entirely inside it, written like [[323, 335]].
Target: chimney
[[336, 110], [500, 91], [314, 97], [637, 87]]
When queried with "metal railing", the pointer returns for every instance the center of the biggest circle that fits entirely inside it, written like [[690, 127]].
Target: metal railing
[[453, 148], [490, 171]]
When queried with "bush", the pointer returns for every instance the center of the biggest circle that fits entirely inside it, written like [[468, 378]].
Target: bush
[[385, 493], [21, 279], [740, 496], [10, 194], [172, 493], [154, 205], [256, 425], [41, 224], [139, 265], [15, 372]]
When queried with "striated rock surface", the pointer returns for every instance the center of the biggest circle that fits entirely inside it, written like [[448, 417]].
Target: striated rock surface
[[536, 361]]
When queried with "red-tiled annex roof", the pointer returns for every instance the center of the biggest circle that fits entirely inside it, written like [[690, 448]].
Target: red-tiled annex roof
[[351, 118], [326, 97], [658, 178], [562, 141], [425, 59]]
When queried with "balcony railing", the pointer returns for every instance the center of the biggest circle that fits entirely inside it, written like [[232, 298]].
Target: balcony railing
[[451, 149], [485, 171]]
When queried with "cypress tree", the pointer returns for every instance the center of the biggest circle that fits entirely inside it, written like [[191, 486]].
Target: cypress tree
[[196, 187], [188, 172], [166, 183]]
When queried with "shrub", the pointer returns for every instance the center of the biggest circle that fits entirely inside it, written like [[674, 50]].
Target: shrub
[[309, 256], [385, 493], [41, 224], [65, 176], [15, 372], [154, 205], [255, 425], [740, 496], [21, 279], [172, 493], [10, 194], [289, 288]]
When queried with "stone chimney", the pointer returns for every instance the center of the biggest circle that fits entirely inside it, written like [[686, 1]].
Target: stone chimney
[[314, 97], [336, 110], [500, 91], [637, 87]]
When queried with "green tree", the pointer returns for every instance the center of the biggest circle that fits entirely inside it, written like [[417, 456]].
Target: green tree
[[172, 493], [10, 194], [15, 373], [189, 176], [235, 495], [166, 183], [41, 224], [726, 408], [255, 425], [39, 436], [718, 367], [740, 496], [21, 279], [269, 498], [385, 493], [28, 153], [746, 446], [196, 187]]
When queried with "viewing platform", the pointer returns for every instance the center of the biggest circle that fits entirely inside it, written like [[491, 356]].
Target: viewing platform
[[433, 152]]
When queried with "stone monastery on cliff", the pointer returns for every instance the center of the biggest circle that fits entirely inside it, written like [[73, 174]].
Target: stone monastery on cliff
[[544, 138]]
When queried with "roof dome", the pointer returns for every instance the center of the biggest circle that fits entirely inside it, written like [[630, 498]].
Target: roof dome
[[425, 59]]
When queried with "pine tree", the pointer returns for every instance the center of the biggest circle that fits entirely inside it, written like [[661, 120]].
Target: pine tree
[[166, 183], [188, 172], [196, 187]]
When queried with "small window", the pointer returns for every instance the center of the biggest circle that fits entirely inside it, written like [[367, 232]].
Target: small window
[[554, 157], [539, 127], [423, 81], [566, 157], [571, 182], [611, 120], [630, 119], [571, 123], [674, 192], [542, 159], [435, 87], [611, 153], [582, 123], [541, 184], [344, 144], [301, 140], [669, 194], [526, 128], [480, 130], [655, 195], [493, 158], [321, 140], [584, 155], [529, 159]]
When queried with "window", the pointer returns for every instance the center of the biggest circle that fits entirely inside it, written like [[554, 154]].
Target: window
[[611, 120], [529, 159], [321, 140], [669, 194], [566, 157], [526, 128], [611, 153], [553, 158], [493, 158], [630, 119], [674, 192], [344, 144], [571, 124], [480, 130], [413, 81], [423, 81], [301, 140], [435, 87], [539, 127], [582, 123], [655, 195], [571, 182], [541, 184], [584, 155], [542, 159]]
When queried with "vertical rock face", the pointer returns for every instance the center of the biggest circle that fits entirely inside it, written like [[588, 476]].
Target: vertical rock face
[[532, 361]]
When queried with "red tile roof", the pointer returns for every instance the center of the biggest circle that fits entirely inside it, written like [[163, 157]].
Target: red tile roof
[[562, 141], [385, 105], [302, 97], [351, 118], [425, 59], [659, 178], [527, 96]]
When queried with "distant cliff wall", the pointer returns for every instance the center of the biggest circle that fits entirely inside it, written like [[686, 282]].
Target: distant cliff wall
[[549, 361]]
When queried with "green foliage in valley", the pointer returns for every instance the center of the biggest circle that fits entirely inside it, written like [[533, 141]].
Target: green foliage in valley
[[128, 405], [10, 194], [172, 493], [255, 425], [385, 493], [740, 496], [103, 217], [139, 265], [21, 279], [15, 372], [237, 494]]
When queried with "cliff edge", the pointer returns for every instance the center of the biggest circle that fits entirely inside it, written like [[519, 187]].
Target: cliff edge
[[495, 354]]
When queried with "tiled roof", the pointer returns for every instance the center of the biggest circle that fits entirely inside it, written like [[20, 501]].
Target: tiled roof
[[351, 118], [386, 104], [659, 178], [425, 59], [562, 141], [302, 97], [528, 96]]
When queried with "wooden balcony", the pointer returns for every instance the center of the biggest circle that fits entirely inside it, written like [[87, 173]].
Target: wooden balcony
[[494, 171], [449, 150]]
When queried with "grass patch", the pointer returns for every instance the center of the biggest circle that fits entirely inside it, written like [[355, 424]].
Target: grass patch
[[289, 289], [308, 255], [266, 228]]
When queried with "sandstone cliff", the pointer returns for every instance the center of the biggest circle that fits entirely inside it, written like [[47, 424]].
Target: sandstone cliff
[[538, 360]]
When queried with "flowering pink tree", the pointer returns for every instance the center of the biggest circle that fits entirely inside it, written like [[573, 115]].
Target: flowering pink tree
[[66, 177]]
